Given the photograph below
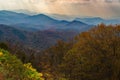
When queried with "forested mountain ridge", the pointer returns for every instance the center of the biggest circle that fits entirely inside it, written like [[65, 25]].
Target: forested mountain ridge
[[59, 49], [37, 40], [91, 55]]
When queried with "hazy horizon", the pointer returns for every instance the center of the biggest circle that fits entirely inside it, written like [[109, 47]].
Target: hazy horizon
[[75, 8]]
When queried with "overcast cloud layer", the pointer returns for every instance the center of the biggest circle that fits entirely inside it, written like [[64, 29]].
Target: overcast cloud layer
[[101, 8]]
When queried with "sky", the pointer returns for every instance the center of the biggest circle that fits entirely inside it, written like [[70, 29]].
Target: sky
[[76, 8]]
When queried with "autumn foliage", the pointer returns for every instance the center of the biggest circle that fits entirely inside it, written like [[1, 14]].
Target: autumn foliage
[[91, 55]]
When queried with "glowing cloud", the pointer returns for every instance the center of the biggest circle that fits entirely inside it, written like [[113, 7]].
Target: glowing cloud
[[102, 8]]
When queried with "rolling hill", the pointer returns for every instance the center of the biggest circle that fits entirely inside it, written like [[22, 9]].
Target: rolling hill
[[36, 40]]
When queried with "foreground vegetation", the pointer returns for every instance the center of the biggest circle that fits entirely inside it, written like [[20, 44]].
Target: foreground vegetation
[[92, 55], [12, 68]]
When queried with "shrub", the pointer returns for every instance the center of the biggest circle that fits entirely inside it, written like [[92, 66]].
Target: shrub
[[13, 69]]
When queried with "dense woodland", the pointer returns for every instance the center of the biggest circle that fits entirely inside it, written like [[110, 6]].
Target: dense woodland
[[91, 55], [39, 40]]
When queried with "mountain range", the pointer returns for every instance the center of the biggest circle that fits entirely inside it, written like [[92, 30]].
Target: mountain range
[[41, 31], [39, 22], [44, 22], [36, 40], [98, 20]]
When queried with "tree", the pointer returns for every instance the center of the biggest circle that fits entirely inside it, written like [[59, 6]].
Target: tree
[[53, 57], [95, 55]]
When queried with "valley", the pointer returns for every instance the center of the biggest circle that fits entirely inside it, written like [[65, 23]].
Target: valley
[[40, 47]]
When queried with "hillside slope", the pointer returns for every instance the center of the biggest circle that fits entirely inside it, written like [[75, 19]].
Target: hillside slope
[[37, 40]]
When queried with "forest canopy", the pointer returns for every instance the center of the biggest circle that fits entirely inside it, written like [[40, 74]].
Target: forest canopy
[[91, 55]]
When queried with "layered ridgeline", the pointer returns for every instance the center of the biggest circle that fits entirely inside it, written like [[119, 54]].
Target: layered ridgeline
[[98, 20], [44, 22], [41, 31], [39, 22], [36, 31]]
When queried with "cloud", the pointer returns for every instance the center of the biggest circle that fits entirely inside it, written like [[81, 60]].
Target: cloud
[[102, 8]]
